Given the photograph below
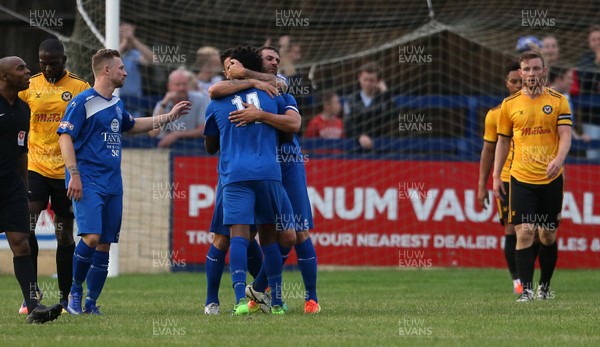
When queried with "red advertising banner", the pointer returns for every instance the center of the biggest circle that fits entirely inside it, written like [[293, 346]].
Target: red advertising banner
[[396, 213]]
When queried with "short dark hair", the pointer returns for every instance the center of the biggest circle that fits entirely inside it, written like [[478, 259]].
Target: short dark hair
[[248, 56], [226, 54], [371, 67], [271, 48], [556, 72], [594, 27], [512, 66], [531, 55], [52, 46], [101, 56]]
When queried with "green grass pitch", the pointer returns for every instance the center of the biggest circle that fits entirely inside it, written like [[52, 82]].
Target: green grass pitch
[[450, 307]]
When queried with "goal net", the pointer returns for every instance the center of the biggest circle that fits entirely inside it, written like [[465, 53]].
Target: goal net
[[410, 202]]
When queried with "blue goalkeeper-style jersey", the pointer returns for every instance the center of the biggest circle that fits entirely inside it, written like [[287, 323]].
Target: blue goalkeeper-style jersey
[[248, 153], [95, 124]]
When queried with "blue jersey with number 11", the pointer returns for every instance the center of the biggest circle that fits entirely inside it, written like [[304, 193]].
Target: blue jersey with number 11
[[248, 153]]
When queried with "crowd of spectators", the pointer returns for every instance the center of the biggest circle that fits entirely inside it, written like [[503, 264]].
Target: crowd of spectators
[[367, 113]]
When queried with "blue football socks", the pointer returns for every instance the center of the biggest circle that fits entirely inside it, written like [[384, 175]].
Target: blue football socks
[[273, 268], [82, 260], [239, 266], [215, 263], [96, 277], [307, 262]]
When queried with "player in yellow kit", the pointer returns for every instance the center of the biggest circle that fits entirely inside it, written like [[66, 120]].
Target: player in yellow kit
[[513, 83], [539, 121], [49, 93]]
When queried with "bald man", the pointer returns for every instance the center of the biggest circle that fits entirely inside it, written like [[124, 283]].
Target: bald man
[[14, 212], [188, 126]]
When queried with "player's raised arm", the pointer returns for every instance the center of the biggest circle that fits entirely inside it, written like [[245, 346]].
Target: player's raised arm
[[290, 123], [224, 88], [143, 125], [237, 71], [241, 78]]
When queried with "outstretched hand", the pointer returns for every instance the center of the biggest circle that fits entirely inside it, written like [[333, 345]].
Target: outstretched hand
[[180, 109]]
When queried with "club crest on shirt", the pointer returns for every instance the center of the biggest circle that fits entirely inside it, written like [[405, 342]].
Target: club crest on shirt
[[547, 109], [67, 96], [114, 125]]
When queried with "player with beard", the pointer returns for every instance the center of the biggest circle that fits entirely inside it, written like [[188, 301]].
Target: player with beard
[[539, 121], [296, 232]]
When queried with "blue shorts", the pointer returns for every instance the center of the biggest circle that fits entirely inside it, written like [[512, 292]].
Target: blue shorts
[[99, 213], [255, 202], [294, 183], [216, 224]]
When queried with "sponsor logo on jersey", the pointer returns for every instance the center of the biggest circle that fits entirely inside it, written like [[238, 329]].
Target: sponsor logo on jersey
[[47, 117], [535, 131], [66, 125]]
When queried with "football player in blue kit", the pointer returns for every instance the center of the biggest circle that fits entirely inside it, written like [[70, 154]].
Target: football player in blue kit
[[90, 143]]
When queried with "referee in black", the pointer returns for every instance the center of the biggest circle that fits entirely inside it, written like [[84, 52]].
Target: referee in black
[[14, 212]]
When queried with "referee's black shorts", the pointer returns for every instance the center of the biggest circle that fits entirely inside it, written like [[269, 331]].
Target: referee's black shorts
[[503, 204], [539, 204], [14, 210], [41, 188]]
